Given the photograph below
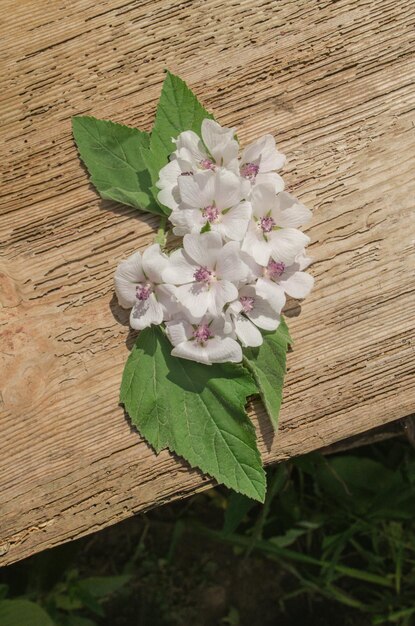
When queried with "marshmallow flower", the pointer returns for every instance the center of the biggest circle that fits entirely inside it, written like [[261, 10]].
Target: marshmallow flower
[[205, 272], [138, 285], [250, 313], [272, 231], [259, 160], [205, 342], [242, 251], [212, 200], [278, 279], [192, 155]]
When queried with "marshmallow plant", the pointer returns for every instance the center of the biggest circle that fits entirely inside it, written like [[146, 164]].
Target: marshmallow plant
[[209, 312]]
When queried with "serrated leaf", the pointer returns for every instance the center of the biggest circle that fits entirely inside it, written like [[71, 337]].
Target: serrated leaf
[[195, 410], [112, 155], [268, 366], [22, 613], [178, 110]]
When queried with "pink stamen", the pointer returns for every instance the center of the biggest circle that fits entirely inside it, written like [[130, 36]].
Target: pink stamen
[[249, 171], [247, 303], [210, 213], [207, 164], [275, 269], [267, 224], [202, 333], [202, 275], [143, 292]]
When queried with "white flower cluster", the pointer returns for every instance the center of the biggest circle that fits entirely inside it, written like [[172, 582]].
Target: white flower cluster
[[242, 250]]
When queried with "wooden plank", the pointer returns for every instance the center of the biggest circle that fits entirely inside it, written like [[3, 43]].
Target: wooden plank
[[333, 81]]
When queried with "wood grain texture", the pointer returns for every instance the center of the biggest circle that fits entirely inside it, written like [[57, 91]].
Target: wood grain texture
[[333, 81]]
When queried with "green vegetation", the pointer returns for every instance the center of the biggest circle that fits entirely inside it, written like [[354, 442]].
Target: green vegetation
[[334, 544]]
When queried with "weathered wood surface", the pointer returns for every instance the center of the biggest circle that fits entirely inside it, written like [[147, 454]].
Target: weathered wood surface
[[333, 81]]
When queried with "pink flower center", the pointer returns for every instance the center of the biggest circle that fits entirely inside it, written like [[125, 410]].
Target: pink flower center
[[207, 164], [275, 269], [210, 213], [202, 275], [202, 333], [143, 292], [266, 224], [247, 303], [249, 171]]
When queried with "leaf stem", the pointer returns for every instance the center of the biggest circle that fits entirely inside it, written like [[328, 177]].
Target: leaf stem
[[161, 236]]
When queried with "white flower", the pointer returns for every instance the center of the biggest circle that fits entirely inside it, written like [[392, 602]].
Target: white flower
[[205, 342], [259, 160], [138, 286], [206, 271], [218, 149], [272, 229], [212, 199], [277, 279], [167, 182], [249, 313]]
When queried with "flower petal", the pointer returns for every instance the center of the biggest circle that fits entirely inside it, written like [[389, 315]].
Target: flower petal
[[247, 333], [196, 297], [127, 275], [216, 350], [271, 292], [197, 191], [229, 264], [264, 315], [190, 145], [271, 178], [216, 138], [221, 291], [235, 222], [154, 262], [255, 245], [179, 331], [180, 269], [227, 189], [263, 200], [167, 296], [203, 249], [298, 285], [286, 243], [264, 151], [169, 174], [186, 221], [146, 312], [291, 212]]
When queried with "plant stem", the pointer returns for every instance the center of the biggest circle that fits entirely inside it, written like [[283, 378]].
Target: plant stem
[[161, 236]]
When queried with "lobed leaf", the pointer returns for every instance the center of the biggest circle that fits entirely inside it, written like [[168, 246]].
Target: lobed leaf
[[112, 155], [194, 410]]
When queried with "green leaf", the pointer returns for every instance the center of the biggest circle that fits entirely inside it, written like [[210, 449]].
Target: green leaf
[[23, 613], [194, 410], [178, 110], [112, 155], [101, 586], [237, 509], [268, 365]]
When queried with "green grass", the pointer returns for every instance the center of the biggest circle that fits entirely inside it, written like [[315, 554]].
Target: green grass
[[334, 543]]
